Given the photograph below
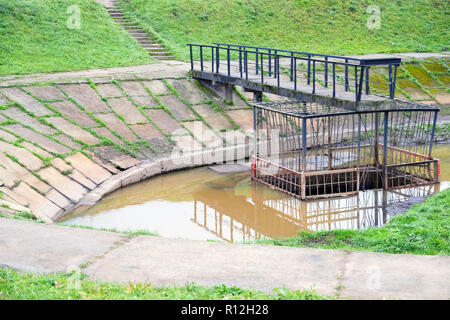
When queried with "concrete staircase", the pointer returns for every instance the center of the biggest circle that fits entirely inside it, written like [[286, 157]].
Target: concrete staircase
[[154, 49]]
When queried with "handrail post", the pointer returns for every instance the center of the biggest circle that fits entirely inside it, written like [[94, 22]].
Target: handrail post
[[228, 61], [295, 74], [212, 59], [326, 72], [246, 64], [277, 59], [356, 83], [262, 69], [276, 74], [334, 80], [309, 69], [292, 65], [256, 60], [240, 61], [192, 59], [270, 63], [391, 96], [201, 58], [346, 75], [217, 59], [314, 77], [361, 83], [367, 80]]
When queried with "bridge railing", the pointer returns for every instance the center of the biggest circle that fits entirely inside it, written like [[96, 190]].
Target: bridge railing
[[303, 68]]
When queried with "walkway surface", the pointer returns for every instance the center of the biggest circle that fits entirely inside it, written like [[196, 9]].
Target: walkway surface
[[114, 257]]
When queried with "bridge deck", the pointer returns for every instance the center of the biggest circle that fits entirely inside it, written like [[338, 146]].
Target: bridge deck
[[286, 88]]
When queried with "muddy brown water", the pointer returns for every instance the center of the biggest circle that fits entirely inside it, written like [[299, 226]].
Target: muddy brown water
[[203, 204]]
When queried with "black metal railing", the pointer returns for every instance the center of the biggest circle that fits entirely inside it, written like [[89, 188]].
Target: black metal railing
[[329, 71]]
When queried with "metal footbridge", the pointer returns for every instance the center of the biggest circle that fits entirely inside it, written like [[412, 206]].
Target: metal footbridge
[[348, 82]]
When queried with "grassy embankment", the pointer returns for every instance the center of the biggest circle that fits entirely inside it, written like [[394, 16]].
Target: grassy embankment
[[334, 27], [423, 229], [18, 286], [35, 38]]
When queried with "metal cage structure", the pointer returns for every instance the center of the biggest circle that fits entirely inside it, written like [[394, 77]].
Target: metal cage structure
[[315, 150]]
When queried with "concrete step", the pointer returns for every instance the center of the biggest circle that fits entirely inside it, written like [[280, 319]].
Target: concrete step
[[149, 43], [163, 57], [152, 46], [136, 31]]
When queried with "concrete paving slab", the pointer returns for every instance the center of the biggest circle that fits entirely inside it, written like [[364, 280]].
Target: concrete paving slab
[[156, 87], [73, 130], [39, 205], [63, 184], [109, 90], [50, 248], [46, 93], [117, 125], [68, 141], [32, 180], [133, 88], [177, 108], [7, 136], [41, 140], [229, 168], [87, 167], [245, 266], [393, 276], [127, 110], [104, 132], [57, 198], [20, 116], [243, 118], [36, 149], [73, 112], [204, 134], [29, 160], [117, 158], [27, 101], [163, 120], [214, 118], [85, 96], [146, 101], [188, 90]]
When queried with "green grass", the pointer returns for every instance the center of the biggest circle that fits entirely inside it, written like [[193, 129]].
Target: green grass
[[423, 229], [35, 38], [26, 286], [325, 26]]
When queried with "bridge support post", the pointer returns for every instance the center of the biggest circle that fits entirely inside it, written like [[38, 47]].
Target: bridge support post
[[257, 96]]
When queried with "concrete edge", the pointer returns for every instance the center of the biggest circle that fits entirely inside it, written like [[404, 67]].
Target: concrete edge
[[149, 169]]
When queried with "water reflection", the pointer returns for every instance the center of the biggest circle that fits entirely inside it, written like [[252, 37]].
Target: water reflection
[[202, 204]]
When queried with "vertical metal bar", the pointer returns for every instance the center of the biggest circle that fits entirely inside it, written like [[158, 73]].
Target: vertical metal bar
[[212, 59], [385, 143], [295, 74], [246, 64], [277, 59], [361, 82], [326, 72], [240, 62], [201, 58], [192, 59], [228, 61], [304, 146], [292, 66], [356, 83], [217, 59], [334, 80], [359, 140], [367, 80], [270, 63], [309, 69], [262, 69], [314, 76], [256, 60], [276, 74], [391, 96], [346, 75], [432, 133]]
